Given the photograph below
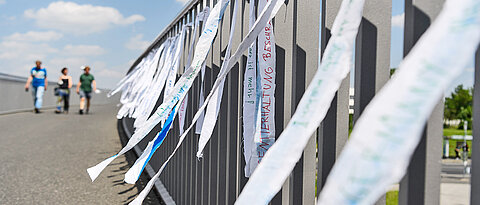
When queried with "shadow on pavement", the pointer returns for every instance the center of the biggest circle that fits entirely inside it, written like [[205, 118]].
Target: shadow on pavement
[[152, 197]]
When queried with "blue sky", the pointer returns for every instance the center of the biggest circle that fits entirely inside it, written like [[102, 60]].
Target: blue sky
[[108, 35], [396, 54]]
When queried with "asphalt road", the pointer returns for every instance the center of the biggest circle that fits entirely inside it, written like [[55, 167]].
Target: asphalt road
[[44, 157]]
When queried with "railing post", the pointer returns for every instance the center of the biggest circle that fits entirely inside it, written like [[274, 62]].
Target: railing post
[[283, 29], [421, 184], [306, 62], [223, 121], [333, 131], [206, 160], [372, 56], [475, 179], [235, 133], [241, 180]]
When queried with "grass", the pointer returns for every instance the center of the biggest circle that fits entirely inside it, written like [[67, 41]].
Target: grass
[[454, 131], [453, 143], [392, 198]]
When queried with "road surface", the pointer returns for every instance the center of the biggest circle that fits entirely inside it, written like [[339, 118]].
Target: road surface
[[44, 157]]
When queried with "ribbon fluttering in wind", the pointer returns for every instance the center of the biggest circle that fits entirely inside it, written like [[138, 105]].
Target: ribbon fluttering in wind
[[178, 92], [383, 140], [279, 161]]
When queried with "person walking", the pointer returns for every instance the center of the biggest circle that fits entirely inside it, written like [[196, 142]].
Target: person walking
[[38, 81], [85, 87], [64, 85]]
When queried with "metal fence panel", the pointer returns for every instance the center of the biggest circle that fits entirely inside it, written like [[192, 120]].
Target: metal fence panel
[[300, 27]]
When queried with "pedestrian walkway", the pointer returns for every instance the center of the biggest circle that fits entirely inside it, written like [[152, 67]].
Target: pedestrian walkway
[[44, 157], [455, 194]]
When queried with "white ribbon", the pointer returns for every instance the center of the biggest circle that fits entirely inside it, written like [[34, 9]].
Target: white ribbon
[[201, 100], [172, 75], [201, 97], [213, 107], [157, 89], [149, 83], [134, 172], [280, 159], [201, 51], [141, 84], [181, 114], [249, 96], [268, 13], [203, 46], [148, 102], [265, 133], [384, 138]]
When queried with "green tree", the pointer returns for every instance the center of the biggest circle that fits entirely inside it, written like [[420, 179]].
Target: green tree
[[392, 71], [459, 105]]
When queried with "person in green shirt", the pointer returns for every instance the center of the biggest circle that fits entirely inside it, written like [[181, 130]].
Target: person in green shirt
[[85, 87]]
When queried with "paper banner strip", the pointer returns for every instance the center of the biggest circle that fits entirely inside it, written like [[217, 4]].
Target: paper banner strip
[[249, 96], [385, 136], [213, 107], [203, 46], [134, 172], [281, 158], [268, 13]]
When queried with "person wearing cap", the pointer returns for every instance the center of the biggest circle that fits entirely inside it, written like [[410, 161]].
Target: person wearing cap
[[85, 87], [38, 81]]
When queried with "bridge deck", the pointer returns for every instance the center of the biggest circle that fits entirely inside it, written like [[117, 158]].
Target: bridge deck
[[44, 157]]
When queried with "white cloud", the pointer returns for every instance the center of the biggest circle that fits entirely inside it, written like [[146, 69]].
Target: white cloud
[[108, 76], [18, 57], [182, 1], [110, 73], [11, 50], [470, 69], [2, 2], [83, 50], [72, 62], [34, 36], [79, 19], [398, 20], [137, 43]]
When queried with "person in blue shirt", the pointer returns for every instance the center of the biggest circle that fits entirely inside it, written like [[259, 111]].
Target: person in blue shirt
[[39, 83]]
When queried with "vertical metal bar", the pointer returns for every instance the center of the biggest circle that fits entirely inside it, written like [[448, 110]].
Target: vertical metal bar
[[209, 78], [475, 179], [181, 158], [233, 117], [193, 109], [169, 148], [333, 131], [421, 184], [298, 88], [199, 164], [205, 161], [214, 143], [188, 119], [372, 59], [241, 179], [283, 29], [185, 158], [372, 56], [307, 53], [223, 124]]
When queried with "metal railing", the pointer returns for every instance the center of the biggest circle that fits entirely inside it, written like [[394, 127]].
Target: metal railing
[[300, 27]]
